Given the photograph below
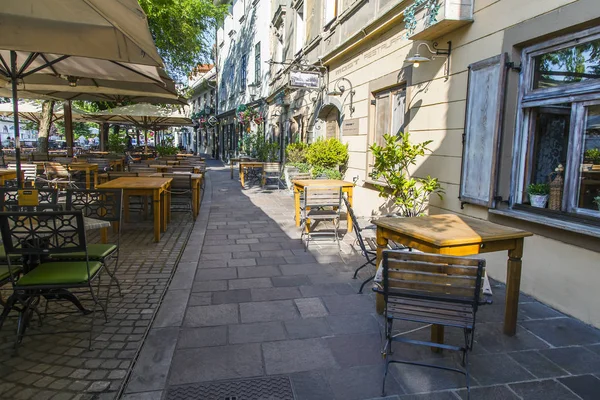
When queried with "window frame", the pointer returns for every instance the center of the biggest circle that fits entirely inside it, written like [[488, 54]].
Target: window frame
[[257, 65], [372, 136], [243, 73], [326, 5], [580, 95]]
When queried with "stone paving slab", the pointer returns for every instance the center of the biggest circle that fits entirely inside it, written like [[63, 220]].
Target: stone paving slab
[[260, 306]]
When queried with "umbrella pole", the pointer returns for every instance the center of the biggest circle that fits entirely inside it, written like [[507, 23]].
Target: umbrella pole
[[145, 140], [68, 119], [15, 99]]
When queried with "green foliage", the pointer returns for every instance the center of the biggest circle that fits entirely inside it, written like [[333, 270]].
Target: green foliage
[[301, 166], [432, 9], [330, 153], [597, 202], [391, 165], [329, 173], [593, 155], [167, 148], [116, 142], [538, 189], [296, 153], [79, 129], [182, 30]]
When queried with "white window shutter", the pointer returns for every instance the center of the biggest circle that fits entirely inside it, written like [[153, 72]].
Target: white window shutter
[[483, 124]]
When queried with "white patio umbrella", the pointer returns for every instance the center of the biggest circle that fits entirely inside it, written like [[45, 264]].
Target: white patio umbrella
[[33, 112], [71, 39], [144, 116]]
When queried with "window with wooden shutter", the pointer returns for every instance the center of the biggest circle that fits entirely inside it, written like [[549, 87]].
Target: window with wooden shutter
[[485, 101]]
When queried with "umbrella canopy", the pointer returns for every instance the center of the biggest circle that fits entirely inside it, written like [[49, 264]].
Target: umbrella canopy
[[71, 39], [144, 116], [43, 86], [114, 30], [33, 112]]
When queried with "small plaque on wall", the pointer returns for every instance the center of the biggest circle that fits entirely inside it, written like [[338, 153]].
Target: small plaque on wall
[[350, 127]]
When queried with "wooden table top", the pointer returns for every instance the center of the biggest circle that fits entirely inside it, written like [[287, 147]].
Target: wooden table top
[[82, 165], [140, 182], [252, 163], [194, 176], [322, 182], [4, 172], [450, 229]]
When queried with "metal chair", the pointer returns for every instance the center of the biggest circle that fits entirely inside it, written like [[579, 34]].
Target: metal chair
[[181, 193], [321, 203], [37, 236], [431, 289], [271, 172], [47, 199], [103, 164], [58, 175]]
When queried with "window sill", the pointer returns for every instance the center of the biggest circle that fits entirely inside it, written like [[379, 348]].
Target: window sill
[[580, 228]]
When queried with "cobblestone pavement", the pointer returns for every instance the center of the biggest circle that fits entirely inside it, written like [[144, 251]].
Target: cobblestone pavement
[[253, 304], [60, 366]]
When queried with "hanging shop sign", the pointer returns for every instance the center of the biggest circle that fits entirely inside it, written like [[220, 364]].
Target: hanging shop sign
[[305, 80], [213, 121]]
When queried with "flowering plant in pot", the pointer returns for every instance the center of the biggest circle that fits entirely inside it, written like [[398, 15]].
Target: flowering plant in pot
[[538, 194]]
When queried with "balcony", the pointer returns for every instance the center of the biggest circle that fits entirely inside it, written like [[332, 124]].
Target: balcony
[[452, 15]]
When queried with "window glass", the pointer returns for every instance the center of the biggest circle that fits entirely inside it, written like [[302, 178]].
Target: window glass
[[300, 28], [567, 66], [243, 72], [550, 126], [257, 72], [589, 173]]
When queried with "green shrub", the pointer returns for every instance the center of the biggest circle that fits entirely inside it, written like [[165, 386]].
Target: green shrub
[[329, 173], [330, 153], [593, 155], [391, 166], [296, 153], [302, 167], [167, 148], [117, 143]]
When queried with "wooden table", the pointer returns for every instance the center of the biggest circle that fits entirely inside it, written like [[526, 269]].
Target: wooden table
[[88, 169], [156, 187], [299, 185], [232, 161], [118, 164], [7, 175], [196, 187], [456, 235], [248, 164]]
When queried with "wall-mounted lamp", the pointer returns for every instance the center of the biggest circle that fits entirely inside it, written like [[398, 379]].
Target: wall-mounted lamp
[[338, 90], [417, 59]]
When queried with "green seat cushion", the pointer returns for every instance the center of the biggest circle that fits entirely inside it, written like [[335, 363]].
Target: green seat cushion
[[96, 251], [57, 273], [3, 255], [5, 273]]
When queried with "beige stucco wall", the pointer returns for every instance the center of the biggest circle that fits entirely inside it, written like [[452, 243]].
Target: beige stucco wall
[[559, 274]]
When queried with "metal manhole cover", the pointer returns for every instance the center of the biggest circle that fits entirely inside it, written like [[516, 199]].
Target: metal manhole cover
[[276, 388]]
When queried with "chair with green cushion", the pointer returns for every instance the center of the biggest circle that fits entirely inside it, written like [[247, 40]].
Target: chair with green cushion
[[47, 200], [106, 205], [37, 237], [5, 276]]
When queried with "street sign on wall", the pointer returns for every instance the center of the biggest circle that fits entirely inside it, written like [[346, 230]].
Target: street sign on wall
[[305, 80]]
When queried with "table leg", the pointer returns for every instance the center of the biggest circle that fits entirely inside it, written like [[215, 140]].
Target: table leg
[[87, 179], [350, 193], [95, 179], [156, 208], [231, 168], [104, 235], [297, 204], [164, 213], [513, 286], [115, 226], [126, 207], [168, 208], [382, 244], [242, 175], [195, 196], [437, 336]]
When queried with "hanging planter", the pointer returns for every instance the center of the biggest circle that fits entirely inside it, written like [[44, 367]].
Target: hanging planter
[[249, 115]]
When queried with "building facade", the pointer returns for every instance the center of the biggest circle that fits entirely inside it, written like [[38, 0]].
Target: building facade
[[242, 54], [202, 85], [515, 102]]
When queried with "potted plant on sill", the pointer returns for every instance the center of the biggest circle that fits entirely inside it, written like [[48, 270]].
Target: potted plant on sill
[[409, 194], [538, 194]]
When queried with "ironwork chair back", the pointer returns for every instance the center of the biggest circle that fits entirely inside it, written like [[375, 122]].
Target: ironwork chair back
[[9, 199], [103, 204], [181, 188]]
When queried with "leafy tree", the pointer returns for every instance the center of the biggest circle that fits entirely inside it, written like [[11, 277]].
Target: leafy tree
[[392, 162], [79, 129], [183, 31]]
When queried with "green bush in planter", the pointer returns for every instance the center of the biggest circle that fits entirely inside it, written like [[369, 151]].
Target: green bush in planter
[[330, 153], [296, 153], [329, 173]]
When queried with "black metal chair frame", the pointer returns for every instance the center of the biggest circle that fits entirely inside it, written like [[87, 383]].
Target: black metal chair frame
[[424, 302], [181, 192], [105, 205], [47, 199], [39, 235]]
